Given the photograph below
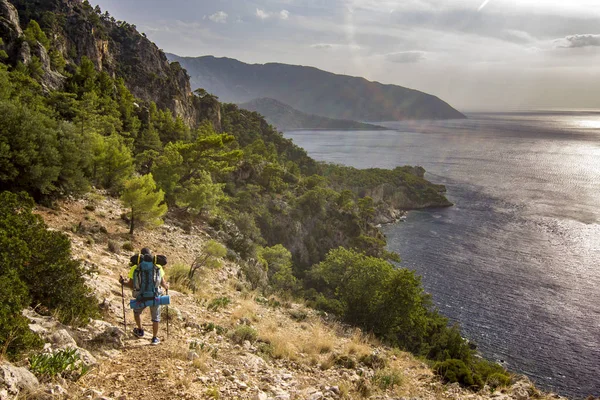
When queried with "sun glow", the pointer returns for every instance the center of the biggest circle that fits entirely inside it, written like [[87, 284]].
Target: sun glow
[[588, 123]]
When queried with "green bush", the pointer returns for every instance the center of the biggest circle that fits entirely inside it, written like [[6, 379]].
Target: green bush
[[373, 361], [47, 366], [343, 361], [15, 335], [127, 246], [210, 326], [496, 380], [298, 315], [219, 302], [243, 333], [37, 267], [454, 371], [491, 373], [387, 379]]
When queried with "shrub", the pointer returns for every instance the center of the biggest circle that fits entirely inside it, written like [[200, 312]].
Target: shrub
[[114, 247], [219, 302], [387, 378], [212, 252], [255, 273], [454, 371], [498, 380], [298, 315], [15, 335], [493, 374], [209, 327], [343, 361], [243, 333], [373, 361], [36, 264], [127, 246], [47, 366]]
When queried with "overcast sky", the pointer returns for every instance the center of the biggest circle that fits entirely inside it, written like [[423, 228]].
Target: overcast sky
[[474, 54]]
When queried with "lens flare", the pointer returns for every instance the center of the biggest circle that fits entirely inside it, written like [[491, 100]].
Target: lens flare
[[483, 5]]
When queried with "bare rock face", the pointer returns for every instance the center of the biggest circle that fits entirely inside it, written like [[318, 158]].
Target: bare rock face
[[10, 28], [15, 380], [9, 20], [51, 80]]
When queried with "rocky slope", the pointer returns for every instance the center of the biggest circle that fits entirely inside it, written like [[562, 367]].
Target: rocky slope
[[286, 118], [313, 91], [293, 353], [116, 47]]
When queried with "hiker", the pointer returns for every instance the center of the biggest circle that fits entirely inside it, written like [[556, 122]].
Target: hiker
[[134, 283]]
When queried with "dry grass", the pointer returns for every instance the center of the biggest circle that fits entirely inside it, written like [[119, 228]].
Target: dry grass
[[201, 363], [282, 343], [247, 308], [345, 388], [177, 277], [358, 344], [317, 340]]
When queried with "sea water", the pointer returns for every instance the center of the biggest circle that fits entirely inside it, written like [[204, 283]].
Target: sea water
[[516, 261]]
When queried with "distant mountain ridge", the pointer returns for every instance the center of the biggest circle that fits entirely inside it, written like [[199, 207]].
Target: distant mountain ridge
[[312, 91], [286, 118]]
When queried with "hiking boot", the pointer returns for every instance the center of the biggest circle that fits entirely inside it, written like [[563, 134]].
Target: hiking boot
[[155, 341], [138, 332]]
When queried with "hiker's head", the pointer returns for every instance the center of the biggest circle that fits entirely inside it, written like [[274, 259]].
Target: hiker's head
[[146, 254]]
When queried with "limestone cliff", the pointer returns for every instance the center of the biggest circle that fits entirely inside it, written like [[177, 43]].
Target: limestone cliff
[[76, 29]]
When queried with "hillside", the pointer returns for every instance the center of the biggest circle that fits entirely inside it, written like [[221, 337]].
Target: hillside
[[293, 353], [312, 91], [286, 118]]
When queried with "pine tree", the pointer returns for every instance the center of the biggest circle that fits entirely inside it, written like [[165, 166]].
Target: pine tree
[[146, 203]]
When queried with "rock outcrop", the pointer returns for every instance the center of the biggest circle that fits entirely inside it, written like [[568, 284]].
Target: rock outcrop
[[10, 28]]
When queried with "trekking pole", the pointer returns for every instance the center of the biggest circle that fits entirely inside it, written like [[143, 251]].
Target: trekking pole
[[167, 317], [124, 320]]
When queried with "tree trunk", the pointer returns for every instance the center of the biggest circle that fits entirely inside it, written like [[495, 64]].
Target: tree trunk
[[132, 223]]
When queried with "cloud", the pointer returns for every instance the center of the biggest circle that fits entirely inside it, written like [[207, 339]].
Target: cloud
[[219, 17], [574, 41], [335, 46], [321, 46], [406, 57], [262, 14]]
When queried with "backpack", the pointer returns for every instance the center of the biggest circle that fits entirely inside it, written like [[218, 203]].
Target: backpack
[[146, 279]]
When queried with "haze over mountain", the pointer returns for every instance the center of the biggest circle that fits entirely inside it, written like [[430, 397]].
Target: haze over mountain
[[286, 118], [312, 91]]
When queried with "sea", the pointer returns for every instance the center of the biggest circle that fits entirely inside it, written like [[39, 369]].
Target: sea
[[516, 260]]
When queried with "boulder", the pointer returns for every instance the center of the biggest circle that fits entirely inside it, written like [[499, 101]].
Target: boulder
[[15, 380], [111, 337], [61, 338], [86, 357]]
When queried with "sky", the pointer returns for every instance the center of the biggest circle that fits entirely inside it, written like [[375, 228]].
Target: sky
[[475, 54]]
